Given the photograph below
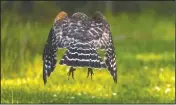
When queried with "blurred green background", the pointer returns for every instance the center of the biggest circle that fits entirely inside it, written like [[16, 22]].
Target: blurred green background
[[143, 35]]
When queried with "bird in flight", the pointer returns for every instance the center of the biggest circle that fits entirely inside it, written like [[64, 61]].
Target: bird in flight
[[82, 37]]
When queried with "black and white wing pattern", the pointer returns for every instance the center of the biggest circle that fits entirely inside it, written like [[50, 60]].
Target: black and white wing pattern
[[105, 42], [99, 30], [51, 46], [49, 55], [110, 58]]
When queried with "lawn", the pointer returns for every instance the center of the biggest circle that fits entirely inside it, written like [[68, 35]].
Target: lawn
[[144, 45]]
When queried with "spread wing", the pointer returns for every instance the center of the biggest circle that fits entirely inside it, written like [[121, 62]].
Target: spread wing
[[110, 58], [53, 42], [100, 34], [49, 55]]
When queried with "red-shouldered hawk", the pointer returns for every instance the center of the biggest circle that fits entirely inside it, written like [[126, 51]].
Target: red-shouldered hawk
[[81, 36]]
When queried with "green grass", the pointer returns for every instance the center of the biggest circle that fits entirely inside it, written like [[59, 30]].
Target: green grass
[[144, 46]]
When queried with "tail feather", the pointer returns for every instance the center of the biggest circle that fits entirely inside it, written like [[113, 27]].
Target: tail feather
[[82, 55]]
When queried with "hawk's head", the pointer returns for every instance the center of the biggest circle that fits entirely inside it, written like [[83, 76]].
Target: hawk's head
[[79, 16], [60, 16], [98, 16]]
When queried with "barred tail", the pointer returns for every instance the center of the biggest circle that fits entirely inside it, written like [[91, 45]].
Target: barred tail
[[82, 55]]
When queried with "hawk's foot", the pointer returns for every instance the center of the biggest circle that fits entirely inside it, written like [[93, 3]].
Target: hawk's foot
[[71, 71], [90, 71]]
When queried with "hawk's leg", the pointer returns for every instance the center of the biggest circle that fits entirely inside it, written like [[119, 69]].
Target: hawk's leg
[[90, 71], [71, 71]]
